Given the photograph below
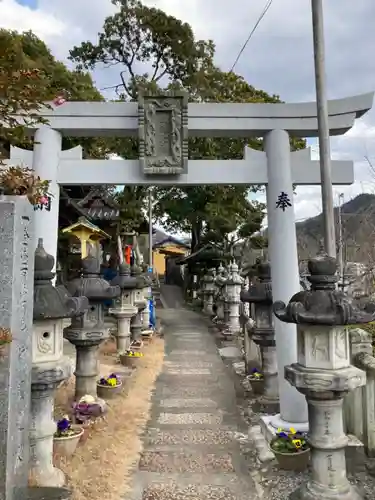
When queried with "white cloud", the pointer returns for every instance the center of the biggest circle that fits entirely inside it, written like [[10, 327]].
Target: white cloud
[[21, 18]]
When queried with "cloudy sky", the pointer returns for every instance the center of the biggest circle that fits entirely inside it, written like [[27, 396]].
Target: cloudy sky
[[278, 59]]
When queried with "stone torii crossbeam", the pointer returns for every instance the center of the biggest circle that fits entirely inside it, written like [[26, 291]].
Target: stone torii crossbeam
[[163, 125]]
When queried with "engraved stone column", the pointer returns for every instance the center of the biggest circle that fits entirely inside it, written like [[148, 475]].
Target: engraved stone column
[[49, 366], [226, 297], [195, 284], [234, 284], [220, 283], [87, 331], [139, 302], [263, 334], [124, 310], [16, 306], [324, 375], [147, 295], [209, 291], [203, 292]]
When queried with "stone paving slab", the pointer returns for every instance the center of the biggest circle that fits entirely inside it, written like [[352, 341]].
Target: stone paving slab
[[187, 403], [184, 392], [159, 491], [221, 436], [206, 463], [189, 418], [188, 371], [192, 364]]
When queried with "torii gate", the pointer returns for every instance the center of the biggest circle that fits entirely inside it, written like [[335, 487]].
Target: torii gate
[[163, 124]]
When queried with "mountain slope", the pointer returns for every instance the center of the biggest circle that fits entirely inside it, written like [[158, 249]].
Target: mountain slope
[[358, 227]]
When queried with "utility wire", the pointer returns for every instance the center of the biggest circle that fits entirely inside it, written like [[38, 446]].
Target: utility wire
[[264, 12]]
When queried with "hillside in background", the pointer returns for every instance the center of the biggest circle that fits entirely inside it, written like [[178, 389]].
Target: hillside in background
[[358, 226]]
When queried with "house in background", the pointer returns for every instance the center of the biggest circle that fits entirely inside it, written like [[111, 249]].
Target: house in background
[[166, 250]]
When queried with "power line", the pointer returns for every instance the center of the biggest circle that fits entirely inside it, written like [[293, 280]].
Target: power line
[[264, 12]]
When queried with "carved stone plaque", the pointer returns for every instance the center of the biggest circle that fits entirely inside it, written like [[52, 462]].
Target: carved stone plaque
[[163, 133]]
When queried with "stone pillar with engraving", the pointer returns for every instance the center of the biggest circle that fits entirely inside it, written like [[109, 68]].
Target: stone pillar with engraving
[[49, 366], [234, 284], [194, 285], [220, 282], [88, 330], [225, 296], [209, 291], [263, 334], [323, 373], [16, 331], [124, 310], [203, 292], [147, 295], [139, 302]]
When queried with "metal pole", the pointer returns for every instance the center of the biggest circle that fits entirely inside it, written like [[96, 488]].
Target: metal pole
[[324, 142], [150, 206], [341, 243]]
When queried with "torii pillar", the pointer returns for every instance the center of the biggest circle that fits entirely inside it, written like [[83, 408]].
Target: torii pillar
[[45, 161]]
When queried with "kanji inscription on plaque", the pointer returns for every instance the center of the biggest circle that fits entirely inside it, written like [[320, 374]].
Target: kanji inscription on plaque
[[163, 133]]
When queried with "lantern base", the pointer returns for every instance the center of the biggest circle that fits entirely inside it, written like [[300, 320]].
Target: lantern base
[[315, 491]]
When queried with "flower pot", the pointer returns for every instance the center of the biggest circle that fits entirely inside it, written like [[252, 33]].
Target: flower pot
[[147, 336], [257, 385], [134, 347], [65, 446], [129, 361], [293, 461], [108, 391]]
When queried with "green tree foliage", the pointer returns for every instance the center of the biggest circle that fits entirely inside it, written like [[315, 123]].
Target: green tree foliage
[[26, 50], [21, 91], [138, 35]]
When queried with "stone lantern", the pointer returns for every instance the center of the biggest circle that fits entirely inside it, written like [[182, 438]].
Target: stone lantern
[[209, 291], [323, 373], [88, 330], [139, 302], [49, 366], [233, 285], [124, 310], [263, 334]]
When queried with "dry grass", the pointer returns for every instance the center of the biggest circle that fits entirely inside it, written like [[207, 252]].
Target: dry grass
[[102, 467]]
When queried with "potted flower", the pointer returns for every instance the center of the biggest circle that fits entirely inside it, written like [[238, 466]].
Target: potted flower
[[147, 335], [108, 387], [66, 437], [257, 381], [87, 408], [130, 358], [291, 450], [136, 345], [22, 181]]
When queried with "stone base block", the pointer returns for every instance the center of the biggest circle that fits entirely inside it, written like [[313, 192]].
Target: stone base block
[[314, 491], [264, 405], [270, 423], [45, 494], [49, 477], [261, 444]]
